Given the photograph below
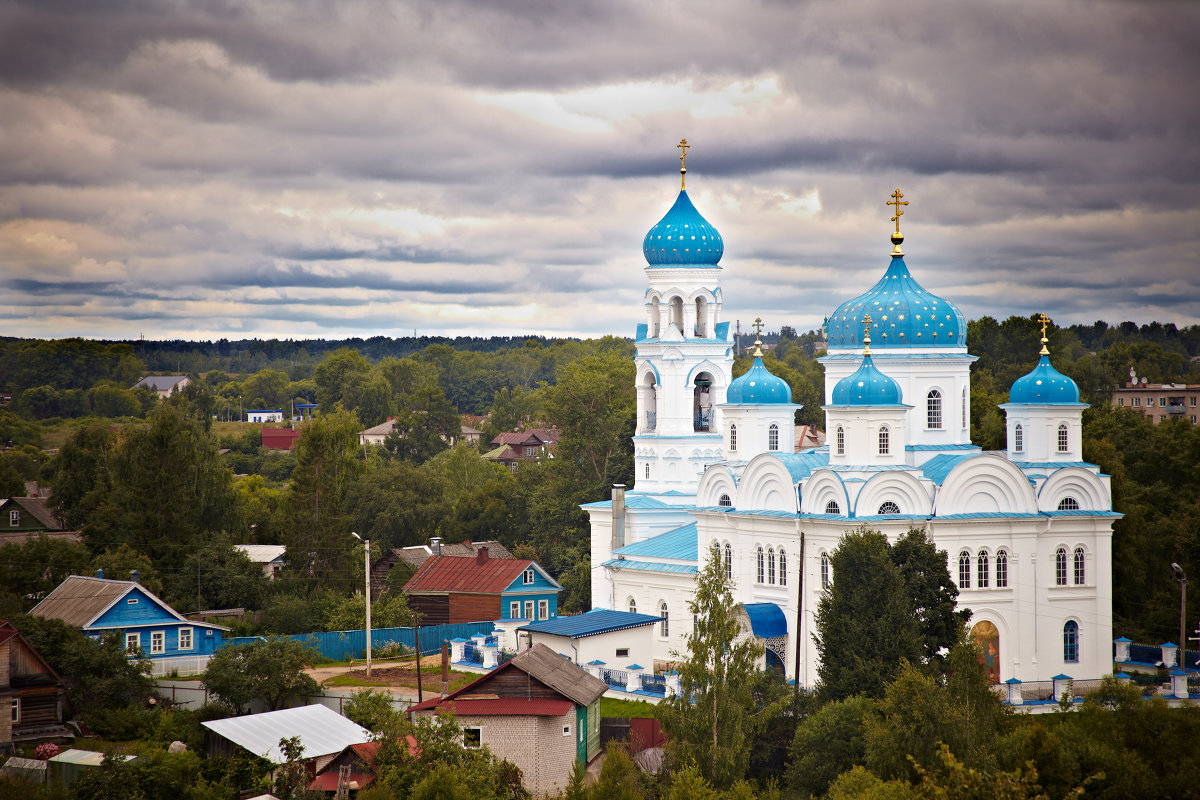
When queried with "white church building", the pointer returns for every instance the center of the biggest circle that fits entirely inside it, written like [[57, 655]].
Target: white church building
[[1027, 530]]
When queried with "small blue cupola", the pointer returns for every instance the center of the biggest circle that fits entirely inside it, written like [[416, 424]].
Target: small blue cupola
[[906, 314], [758, 412], [1044, 414], [683, 237], [866, 386], [758, 386], [866, 414]]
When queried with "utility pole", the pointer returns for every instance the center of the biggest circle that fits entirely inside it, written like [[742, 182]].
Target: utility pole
[[367, 573], [1181, 576]]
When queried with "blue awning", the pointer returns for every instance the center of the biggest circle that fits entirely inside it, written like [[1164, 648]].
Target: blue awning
[[766, 620]]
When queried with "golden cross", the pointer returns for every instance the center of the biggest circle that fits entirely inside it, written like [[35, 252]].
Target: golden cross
[[866, 334], [758, 326], [897, 202], [683, 148], [1042, 318]]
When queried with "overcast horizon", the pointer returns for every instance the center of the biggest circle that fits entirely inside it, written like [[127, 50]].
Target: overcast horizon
[[204, 170]]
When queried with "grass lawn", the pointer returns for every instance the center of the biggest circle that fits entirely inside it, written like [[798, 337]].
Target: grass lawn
[[431, 678], [617, 707]]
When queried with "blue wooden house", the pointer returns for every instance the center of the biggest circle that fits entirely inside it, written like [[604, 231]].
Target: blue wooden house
[[450, 589], [149, 625]]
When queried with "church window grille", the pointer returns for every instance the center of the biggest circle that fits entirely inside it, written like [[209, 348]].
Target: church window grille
[[824, 571], [933, 410], [981, 570], [632, 606], [761, 567], [1064, 439], [1071, 641], [964, 570], [1060, 567], [1001, 570], [664, 630], [773, 437], [888, 509], [647, 472], [733, 438], [832, 507], [782, 568], [728, 562], [771, 565], [725, 502], [1080, 567], [964, 408], [1018, 439], [1068, 504], [884, 443], [841, 441]]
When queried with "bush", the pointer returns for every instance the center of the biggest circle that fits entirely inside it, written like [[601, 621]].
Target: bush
[[121, 724]]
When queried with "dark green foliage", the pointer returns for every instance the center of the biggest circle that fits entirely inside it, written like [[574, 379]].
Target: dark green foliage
[[16, 431], [271, 670], [67, 363], [226, 578], [373, 710], [32, 570], [829, 742], [926, 577]]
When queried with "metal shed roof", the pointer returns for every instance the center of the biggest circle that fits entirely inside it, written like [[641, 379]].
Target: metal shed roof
[[322, 731], [598, 620], [679, 544]]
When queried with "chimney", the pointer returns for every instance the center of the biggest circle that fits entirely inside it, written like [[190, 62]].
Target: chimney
[[134, 575], [618, 516], [100, 572], [481, 555], [435, 544]]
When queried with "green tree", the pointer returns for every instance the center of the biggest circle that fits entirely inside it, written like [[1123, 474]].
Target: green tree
[[32, 569], [373, 710], [120, 562], [715, 718], [829, 742], [271, 670], [336, 374], [863, 636], [927, 582]]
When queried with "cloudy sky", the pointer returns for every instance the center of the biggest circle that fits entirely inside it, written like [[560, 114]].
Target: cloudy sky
[[319, 169]]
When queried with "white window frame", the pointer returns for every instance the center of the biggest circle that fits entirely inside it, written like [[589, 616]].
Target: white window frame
[[14, 517], [782, 568], [1064, 438], [631, 604], [528, 577], [983, 569], [773, 437], [728, 561], [134, 639], [771, 566], [825, 572], [529, 610], [191, 639], [933, 410], [514, 609], [1079, 567], [1060, 566], [964, 570], [664, 628], [567, 729], [1001, 569], [478, 730], [884, 441], [733, 438], [832, 507], [761, 564], [158, 642], [543, 609], [841, 441], [16, 710], [1018, 439], [964, 408]]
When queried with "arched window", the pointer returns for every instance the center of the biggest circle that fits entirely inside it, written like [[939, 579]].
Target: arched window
[[1071, 641], [733, 438], [728, 562], [773, 437], [841, 441], [933, 410], [832, 507], [1080, 567], [884, 443], [761, 571], [1001, 569], [647, 471], [771, 565], [664, 629], [677, 312], [782, 568], [632, 606], [1064, 439], [701, 315], [964, 408], [1060, 567], [888, 509], [981, 569], [1068, 504], [824, 571], [725, 502], [1018, 439], [964, 570]]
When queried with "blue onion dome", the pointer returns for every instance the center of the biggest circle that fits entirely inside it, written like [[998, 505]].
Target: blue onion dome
[[867, 386], [758, 386], [1044, 386], [906, 315], [683, 238]]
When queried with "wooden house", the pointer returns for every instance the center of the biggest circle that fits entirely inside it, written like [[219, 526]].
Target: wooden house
[[450, 589], [30, 690]]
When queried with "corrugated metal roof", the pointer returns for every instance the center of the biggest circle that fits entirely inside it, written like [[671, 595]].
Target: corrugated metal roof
[[159, 383], [1053, 465], [679, 544], [467, 574], [78, 600], [801, 465], [648, 566], [932, 447], [322, 731], [262, 553], [504, 707], [598, 620], [766, 620]]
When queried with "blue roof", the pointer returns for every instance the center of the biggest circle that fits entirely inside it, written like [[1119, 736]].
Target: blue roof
[[937, 468], [903, 315], [1044, 386], [866, 386], [801, 465], [1051, 465], [679, 544], [638, 501], [683, 237], [649, 566], [927, 447], [758, 386], [766, 620], [598, 620]]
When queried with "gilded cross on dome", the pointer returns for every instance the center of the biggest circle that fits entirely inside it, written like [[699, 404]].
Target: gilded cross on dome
[[897, 237], [683, 148], [758, 325], [1042, 318], [866, 334]]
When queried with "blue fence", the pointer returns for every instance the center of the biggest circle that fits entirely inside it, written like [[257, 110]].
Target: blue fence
[[655, 684], [343, 645]]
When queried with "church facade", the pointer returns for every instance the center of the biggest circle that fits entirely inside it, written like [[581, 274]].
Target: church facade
[[1027, 530]]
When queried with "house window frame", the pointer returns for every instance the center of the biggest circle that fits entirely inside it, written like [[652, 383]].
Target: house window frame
[[1079, 571], [1001, 569], [543, 609], [1068, 504], [664, 613], [529, 610], [136, 639], [475, 741], [964, 570], [884, 441], [621, 652], [514, 609], [158, 642], [189, 634], [1060, 566], [14, 517], [16, 710], [761, 565], [724, 501], [528, 577], [933, 410], [773, 437], [964, 408]]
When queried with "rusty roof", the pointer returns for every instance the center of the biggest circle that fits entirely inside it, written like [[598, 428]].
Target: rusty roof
[[470, 575]]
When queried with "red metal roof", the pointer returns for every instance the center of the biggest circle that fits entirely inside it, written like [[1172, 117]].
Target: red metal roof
[[519, 438], [500, 707], [466, 574]]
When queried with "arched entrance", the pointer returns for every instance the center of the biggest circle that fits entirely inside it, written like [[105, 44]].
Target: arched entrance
[[775, 663], [987, 639]]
